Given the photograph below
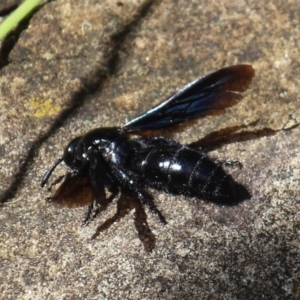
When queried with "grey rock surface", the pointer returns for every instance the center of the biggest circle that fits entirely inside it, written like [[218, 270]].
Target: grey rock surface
[[86, 64]]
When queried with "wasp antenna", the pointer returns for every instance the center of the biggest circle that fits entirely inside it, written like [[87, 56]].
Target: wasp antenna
[[50, 171]]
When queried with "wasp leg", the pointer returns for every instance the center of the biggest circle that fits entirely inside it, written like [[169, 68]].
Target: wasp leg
[[87, 219], [97, 175], [131, 184], [123, 209], [228, 163], [147, 199], [95, 208]]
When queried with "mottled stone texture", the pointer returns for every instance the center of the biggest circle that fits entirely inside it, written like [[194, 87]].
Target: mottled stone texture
[[6, 5], [83, 64]]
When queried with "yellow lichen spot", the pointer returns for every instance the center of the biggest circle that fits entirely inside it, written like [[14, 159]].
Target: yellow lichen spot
[[43, 108]]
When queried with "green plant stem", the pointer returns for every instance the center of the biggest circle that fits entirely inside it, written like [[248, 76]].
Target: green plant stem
[[16, 16]]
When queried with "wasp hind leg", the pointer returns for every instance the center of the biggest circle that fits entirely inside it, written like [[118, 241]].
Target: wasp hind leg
[[132, 185], [228, 163]]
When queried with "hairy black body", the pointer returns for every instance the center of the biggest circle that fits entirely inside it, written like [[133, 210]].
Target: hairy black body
[[108, 158]]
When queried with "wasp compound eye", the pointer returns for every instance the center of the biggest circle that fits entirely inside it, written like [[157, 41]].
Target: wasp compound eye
[[70, 151]]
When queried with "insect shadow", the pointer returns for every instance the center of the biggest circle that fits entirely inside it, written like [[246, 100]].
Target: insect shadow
[[111, 160]]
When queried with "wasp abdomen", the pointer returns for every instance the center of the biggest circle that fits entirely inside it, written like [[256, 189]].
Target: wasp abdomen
[[179, 169]]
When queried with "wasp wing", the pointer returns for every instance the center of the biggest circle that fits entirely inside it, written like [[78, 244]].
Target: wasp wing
[[207, 95], [75, 191]]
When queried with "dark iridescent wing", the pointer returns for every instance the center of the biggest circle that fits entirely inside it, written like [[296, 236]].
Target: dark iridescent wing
[[75, 191], [207, 95]]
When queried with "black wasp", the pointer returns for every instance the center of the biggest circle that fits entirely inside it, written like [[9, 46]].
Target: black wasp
[[107, 158]]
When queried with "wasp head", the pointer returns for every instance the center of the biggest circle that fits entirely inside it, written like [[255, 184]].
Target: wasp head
[[68, 158]]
